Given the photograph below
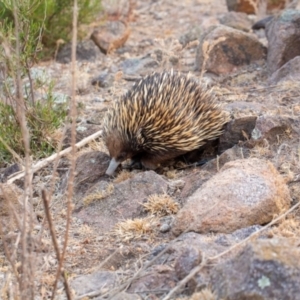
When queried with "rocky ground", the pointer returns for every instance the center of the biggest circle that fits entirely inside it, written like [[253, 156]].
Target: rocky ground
[[215, 231]]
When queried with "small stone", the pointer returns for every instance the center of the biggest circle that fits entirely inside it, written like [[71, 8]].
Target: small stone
[[158, 249], [104, 80], [165, 228], [97, 100], [138, 65], [110, 36], [227, 50]]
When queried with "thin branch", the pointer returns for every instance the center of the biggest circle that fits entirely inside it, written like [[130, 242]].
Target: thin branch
[[55, 243], [27, 282], [43, 163], [73, 115]]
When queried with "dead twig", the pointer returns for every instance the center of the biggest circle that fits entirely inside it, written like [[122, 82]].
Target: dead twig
[[73, 115], [27, 271], [55, 244], [43, 163]]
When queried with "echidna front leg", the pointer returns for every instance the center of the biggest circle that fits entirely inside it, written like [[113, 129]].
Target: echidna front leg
[[153, 161], [144, 160], [149, 163]]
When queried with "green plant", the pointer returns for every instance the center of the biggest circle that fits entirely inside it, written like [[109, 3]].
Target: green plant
[[45, 22], [43, 117]]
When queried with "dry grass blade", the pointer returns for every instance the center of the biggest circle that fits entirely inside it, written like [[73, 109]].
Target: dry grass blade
[[122, 176], [98, 195]]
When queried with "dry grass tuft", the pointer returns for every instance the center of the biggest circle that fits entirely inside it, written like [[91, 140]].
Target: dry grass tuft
[[134, 229], [99, 195], [161, 205], [289, 228], [122, 176], [171, 174], [261, 150]]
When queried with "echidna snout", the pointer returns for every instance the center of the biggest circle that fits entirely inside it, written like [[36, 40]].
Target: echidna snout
[[112, 166], [119, 151]]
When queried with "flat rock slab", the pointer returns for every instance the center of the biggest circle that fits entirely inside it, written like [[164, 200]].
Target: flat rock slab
[[271, 126], [283, 34], [244, 193], [223, 50], [264, 269], [124, 201], [101, 280]]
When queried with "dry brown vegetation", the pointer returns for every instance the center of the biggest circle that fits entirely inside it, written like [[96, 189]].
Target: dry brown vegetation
[[161, 205]]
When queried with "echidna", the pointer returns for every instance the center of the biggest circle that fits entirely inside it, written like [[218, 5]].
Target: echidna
[[163, 116]]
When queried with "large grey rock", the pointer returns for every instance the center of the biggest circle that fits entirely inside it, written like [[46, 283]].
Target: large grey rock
[[229, 49], [120, 201], [283, 34], [288, 72], [85, 51], [245, 192], [271, 126], [236, 130], [264, 269]]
